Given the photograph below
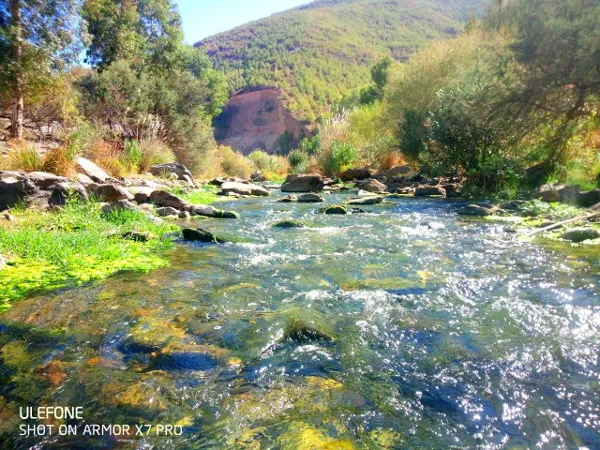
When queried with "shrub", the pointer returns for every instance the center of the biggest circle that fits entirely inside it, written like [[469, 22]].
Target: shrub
[[24, 156], [154, 152], [131, 157], [299, 161], [262, 160], [271, 166], [235, 164], [60, 160], [333, 161]]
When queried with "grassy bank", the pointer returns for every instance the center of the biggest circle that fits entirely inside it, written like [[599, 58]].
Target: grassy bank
[[47, 251]]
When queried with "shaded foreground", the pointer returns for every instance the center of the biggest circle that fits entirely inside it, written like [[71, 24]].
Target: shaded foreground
[[406, 326]]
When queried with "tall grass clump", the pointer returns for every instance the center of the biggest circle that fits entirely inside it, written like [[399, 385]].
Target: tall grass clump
[[24, 156], [76, 245]]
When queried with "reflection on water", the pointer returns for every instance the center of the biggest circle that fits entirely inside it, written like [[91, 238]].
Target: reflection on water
[[403, 327]]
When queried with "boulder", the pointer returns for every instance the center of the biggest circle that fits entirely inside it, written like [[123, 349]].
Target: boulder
[[288, 199], [372, 185], [427, 191], [581, 234], [84, 179], [548, 193], [310, 198], [63, 192], [119, 205], [452, 189], [357, 174], [258, 177], [184, 215], [476, 210], [396, 171], [303, 183], [164, 198], [405, 191], [243, 189], [199, 235], [589, 198], [45, 181], [14, 191], [166, 211], [179, 170], [109, 192], [569, 195], [92, 170], [371, 200], [334, 209]]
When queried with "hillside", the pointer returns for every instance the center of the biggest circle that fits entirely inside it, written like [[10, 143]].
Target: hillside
[[318, 52]]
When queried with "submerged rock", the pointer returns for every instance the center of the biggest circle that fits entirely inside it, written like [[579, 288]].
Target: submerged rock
[[310, 198], [370, 200], [334, 209], [183, 361], [289, 224], [303, 183], [581, 234], [199, 235], [300, 331]]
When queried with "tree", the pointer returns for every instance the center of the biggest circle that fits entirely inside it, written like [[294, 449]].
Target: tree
[[40, 37], [552, 75], [379, 75]]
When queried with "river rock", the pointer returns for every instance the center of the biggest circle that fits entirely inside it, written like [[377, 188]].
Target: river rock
[[184, 215], [288, 199], [334, 209], [209, 211], [357, 174], [92, 170], [372, 185], [63, 192], [164, 198], [452, 189], [166, 211], [45, 181], [303, 183], [581, 234], [428, 191], [569, 195], [243, 189], [109, 192], [548, 193], [371, 200], [179, 170], [289, 224], [589, 198], [476, 210], [199, 235], [310, 198], [300, 331], [119, 205]]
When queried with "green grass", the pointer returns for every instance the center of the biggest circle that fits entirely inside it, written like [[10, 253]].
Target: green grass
[[203, 196], [48, 251]]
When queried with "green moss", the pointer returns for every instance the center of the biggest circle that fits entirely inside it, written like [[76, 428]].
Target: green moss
[[49, 251], [289, 224]]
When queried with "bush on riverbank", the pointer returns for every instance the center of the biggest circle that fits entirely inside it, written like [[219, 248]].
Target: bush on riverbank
[[73, 246]]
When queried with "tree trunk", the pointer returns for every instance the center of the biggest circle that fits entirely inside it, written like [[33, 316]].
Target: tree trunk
[[17, 44]]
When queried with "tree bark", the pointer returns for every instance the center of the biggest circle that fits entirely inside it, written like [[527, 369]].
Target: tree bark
[[17, 45]]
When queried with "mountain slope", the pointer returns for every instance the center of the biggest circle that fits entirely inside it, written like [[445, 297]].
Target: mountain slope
[[318, 52]]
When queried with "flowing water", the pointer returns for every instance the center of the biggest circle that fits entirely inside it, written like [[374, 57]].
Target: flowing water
[[403, 327]]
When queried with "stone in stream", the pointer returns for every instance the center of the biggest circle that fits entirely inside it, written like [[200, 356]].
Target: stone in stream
[[181, 172], [370, 200], [183, 361], [200, 235], [288, 199], [372, 185], [303, 183], [476, 210], [429, 191], [166, 211], [243, 189], [289, 224], [581, 234], [310, 198], [209, 211], [334, 209], [300, 331]]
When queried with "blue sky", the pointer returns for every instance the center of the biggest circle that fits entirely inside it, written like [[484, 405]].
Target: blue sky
[[203, 18]]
